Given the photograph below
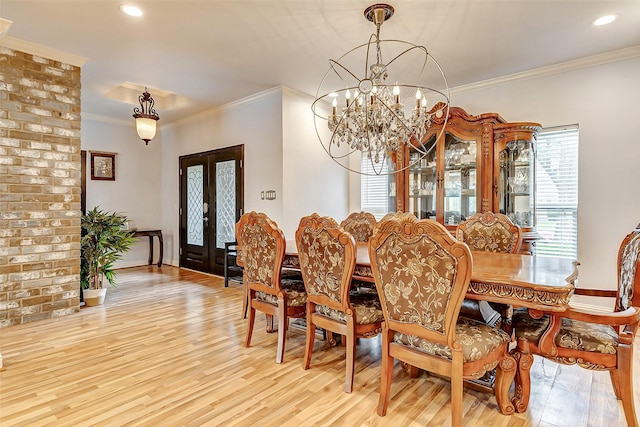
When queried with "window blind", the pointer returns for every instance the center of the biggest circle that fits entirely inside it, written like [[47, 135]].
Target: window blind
[[374, 189], [557, 192]]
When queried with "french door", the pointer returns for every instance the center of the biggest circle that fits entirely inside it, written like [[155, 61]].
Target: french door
[[211, 202]]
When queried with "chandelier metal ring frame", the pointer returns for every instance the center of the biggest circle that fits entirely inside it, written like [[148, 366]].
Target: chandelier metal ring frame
[[374, 123]]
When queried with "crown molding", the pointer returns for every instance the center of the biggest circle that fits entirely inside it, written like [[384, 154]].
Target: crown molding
[[234, 104], [42, 51], [563, 67], [107, 119]]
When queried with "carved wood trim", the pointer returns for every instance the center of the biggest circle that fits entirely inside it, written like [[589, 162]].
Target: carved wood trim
[[517, 295]]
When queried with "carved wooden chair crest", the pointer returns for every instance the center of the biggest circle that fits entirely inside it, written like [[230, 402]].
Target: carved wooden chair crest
[[263, 246], [490, 232], [327, 256], [592, 340], [360, 225], [422, 274]]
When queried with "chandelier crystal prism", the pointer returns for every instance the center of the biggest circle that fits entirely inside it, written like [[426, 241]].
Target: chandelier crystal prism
[[365, 112]]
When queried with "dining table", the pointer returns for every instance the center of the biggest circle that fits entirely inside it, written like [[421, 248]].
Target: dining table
[[540, 284]]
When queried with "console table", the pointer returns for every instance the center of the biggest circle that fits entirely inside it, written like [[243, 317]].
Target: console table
[[151, 234]]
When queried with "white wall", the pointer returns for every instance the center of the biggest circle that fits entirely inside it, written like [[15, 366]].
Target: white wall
[[312, 182], [603, 101], [256, 123], [136, 192]]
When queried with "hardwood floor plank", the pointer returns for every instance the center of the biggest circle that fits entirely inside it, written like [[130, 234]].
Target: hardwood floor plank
[[167, 349]]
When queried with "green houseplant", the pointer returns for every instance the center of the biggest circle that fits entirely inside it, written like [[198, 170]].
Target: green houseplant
[[104, 240]]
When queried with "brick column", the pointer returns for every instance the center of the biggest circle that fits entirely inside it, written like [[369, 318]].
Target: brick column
[[40, 177]]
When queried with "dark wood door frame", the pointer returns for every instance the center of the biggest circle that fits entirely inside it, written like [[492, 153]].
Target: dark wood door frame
[[208, 258]]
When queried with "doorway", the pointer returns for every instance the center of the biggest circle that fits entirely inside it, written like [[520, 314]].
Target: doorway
[[211, 202]]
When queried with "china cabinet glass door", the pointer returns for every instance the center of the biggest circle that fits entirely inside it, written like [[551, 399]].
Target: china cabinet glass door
[[460, 179], [423, 175], [517, 176]]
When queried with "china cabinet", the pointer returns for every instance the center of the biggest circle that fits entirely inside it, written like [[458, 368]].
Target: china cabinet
[[479, 163]]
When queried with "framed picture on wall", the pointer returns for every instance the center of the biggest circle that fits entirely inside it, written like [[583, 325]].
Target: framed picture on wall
[[103, 166]]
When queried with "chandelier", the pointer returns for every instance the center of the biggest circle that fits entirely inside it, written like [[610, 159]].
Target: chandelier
[[146, 117], [367, 112]]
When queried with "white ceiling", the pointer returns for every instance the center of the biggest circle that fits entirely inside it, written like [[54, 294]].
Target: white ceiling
[[212, 52]]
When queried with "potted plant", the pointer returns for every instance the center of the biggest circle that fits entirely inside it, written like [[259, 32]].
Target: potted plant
[[104, 240]]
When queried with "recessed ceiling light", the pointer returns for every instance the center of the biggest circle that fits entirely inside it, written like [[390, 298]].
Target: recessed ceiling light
[[604, 20], [131, 10]]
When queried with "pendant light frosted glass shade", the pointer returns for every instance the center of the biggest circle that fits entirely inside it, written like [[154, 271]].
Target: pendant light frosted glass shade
[[146, 128], [146, 117]]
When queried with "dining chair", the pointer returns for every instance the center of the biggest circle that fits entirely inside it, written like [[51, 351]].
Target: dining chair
[[262, 245], [595, 341], [489, 232], [360, 225], [327, 256], [422, 274]]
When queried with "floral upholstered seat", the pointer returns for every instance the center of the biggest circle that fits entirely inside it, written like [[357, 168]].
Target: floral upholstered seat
[[262, 245], [573, 334], [478, 340], [360, 225], [367, 310], [597, 341], [422, 274], [327, 256], [296, 295]]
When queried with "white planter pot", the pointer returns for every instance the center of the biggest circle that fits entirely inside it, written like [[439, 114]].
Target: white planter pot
[[93, 297]]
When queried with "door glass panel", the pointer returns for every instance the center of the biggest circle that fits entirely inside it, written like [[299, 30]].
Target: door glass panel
[[225, 202], [460, 179], [195, 200], [422, 183]]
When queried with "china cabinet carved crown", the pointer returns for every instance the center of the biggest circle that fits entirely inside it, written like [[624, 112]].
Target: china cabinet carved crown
[[480, 163]]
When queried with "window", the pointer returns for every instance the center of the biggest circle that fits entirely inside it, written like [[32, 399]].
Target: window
[[375, 189], [557, 192]]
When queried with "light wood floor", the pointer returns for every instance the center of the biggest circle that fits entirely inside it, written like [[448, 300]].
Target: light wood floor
[[166, 349]]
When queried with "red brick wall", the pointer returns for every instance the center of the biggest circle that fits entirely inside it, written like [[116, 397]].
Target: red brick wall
[[40, 178]]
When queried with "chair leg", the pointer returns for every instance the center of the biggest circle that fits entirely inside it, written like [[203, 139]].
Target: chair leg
[[504, 378], [524, 359], [282, 328], [311, 335], [457, 383], [615, 382], [331, 339], [252, 318], [625, 378], [386, 374], [413, 371], [245, 298], [350, 352]]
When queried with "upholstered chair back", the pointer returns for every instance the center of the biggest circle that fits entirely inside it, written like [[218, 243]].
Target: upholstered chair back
[[262, 245], [327, 256], [422, 274], [628, 272], [360, 225], [393, 215], [490, 232]]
